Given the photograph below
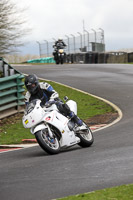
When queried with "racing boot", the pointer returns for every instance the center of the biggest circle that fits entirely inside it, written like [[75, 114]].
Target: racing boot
[[71, 114], [76, 119]]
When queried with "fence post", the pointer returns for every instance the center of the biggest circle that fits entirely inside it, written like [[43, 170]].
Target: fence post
[[80, 40]]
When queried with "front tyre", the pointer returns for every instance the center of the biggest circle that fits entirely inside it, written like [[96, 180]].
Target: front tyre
[[86, 137], [51, 146], [57, 62], [62, 59]]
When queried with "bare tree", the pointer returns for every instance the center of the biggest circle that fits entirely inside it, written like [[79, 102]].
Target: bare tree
[[11, 26]]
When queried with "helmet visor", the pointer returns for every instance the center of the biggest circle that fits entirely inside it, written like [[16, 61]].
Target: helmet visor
[[32, 88]]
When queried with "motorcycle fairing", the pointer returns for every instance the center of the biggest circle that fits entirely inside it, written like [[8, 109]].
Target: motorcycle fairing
[[61, 123]]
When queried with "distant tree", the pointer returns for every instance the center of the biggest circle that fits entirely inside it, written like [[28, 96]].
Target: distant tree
[[11, 26]]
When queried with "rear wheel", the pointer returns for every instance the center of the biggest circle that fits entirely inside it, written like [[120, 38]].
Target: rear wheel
[[50, 145], [86, 137]]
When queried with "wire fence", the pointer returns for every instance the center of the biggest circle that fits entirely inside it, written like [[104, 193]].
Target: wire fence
[[89, 41]]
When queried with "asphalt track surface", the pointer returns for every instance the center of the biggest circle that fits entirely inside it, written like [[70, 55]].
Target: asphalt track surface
[[32, 174]]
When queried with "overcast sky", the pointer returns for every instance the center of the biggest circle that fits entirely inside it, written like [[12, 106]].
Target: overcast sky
[[53, 18]]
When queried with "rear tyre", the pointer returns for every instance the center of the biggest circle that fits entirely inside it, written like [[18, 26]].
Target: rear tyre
[[51, 146], [86, 137]]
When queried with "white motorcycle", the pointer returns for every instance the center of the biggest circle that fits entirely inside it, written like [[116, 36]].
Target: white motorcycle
[[54, 131]]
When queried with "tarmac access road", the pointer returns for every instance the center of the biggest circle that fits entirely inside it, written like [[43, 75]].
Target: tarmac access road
[[32, 174]]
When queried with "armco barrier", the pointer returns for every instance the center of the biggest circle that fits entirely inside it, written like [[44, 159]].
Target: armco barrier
[[11, 90]]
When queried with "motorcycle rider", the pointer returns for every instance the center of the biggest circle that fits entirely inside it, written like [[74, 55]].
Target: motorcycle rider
[[46, 93], [58, 44]]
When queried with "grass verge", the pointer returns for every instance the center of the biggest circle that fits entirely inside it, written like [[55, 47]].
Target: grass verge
[[88, 106], [124, 192]]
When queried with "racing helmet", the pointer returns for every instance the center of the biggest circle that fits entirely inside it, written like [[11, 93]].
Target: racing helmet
[[60, 39], [32, 83]]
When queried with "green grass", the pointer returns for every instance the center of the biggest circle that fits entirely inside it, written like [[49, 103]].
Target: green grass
[[124, 192], [14, 133], [88, 106]]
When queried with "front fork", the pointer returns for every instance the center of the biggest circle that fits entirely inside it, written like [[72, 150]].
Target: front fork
[[49, 131]]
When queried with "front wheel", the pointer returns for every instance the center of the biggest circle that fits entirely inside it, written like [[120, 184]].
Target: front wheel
[[61, 59], [86, 137], [50, 145], [57, 62]]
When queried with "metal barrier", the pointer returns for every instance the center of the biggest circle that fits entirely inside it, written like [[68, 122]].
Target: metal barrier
[[96, 57], [11, 90], [86, 42]]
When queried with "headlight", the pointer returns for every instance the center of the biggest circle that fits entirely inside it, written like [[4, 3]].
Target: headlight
[[61, 50]]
